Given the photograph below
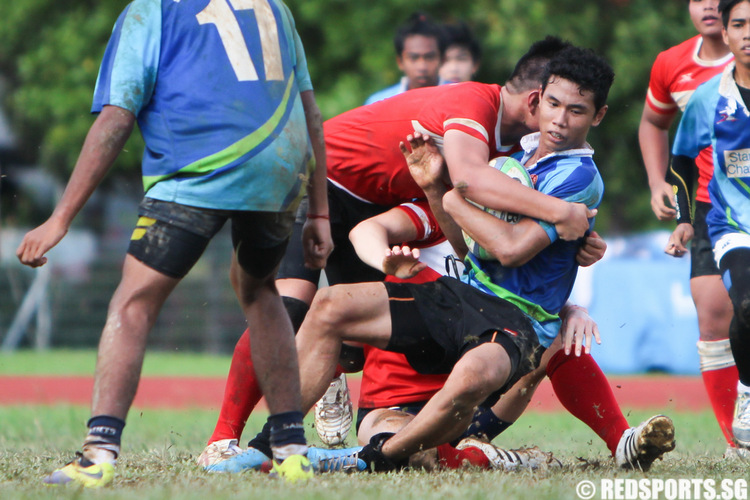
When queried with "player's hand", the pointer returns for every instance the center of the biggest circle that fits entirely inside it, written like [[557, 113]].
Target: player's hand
[[575, 223], [678, 240], [592, 250], [402, 262], [39, 241], [662, 210], [317, 243], [578, 330], [426, 164]]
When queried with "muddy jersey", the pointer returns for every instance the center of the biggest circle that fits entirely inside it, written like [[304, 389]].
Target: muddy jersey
[[541, 286], [214, 85], [675, 75]]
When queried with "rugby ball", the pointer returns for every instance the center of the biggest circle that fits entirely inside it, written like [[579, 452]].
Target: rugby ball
[[510, 167]]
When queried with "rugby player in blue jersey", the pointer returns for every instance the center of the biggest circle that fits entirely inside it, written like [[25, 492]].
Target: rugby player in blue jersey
[[490, 328], [718, 115], [223, 99]]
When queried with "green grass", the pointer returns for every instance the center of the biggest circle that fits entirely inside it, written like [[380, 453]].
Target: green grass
[[82, 362], [160, 448]]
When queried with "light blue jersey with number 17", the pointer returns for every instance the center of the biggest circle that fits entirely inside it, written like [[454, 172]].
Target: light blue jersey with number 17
[[215, 87]]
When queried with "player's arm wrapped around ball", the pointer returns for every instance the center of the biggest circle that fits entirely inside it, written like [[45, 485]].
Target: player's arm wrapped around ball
[[495, 235]]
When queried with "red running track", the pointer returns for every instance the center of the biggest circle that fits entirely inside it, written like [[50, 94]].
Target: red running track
[[661, 392]]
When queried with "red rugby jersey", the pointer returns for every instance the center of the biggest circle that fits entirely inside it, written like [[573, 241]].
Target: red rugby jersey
[[675, 75], [362, 144]]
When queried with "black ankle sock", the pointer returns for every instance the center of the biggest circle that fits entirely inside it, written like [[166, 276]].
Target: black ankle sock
[[262, 441], [287, 428], [105, 428], [485, 425]]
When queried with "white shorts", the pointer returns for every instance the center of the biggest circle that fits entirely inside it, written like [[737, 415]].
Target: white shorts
[[729, 242]]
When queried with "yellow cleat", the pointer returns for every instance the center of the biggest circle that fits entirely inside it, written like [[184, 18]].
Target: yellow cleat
[[293, 469], [92, 476]]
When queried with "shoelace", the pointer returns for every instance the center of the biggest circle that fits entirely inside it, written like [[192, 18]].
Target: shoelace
[[743, 410], [338, 462], [331, 410]]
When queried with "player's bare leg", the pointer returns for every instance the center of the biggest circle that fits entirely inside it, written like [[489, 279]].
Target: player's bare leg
[[297, 288], [272, 339], [717, 363], [447, 414], [357, 312], [517, 399], [131, 315], [132, 312], [713, 306], [382, 420]]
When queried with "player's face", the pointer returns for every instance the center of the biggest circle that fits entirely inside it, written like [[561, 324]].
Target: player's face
[[737, 36], [420, 61], [458, 65], [705, 17], [565, 115]]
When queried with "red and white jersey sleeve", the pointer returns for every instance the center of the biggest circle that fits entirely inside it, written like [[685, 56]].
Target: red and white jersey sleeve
[[675, 75], [428, 231], [362, 145], [432, 244]]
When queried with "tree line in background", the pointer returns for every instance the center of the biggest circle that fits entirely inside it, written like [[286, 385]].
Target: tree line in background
[[52, 50]]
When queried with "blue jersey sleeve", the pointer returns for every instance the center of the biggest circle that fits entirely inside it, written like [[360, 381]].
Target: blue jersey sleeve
[[302, 74], [129, 69], [573, 179], [694, 132]]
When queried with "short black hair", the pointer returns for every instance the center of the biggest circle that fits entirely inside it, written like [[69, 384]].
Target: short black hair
[[725, 7], [584, 68], [529, 71], [460, 34], [419, 23]]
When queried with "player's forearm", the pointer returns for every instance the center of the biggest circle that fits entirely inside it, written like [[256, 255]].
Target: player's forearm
[[370, 242], [511, 244], [493, 189], [103, 143], [448, 226], [654, 143], [317, 184]]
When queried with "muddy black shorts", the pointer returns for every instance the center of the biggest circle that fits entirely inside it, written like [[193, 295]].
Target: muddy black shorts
[[435, 324], [702, 261], [170, 237]]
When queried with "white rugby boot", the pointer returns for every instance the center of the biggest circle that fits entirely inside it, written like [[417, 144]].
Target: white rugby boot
[[217, 452], [511, 460], [741, 421], [333, 413], [640, 446]]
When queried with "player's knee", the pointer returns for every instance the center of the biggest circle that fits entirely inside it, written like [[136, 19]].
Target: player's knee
[[714, 318], [325, 310], [479, 380]]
